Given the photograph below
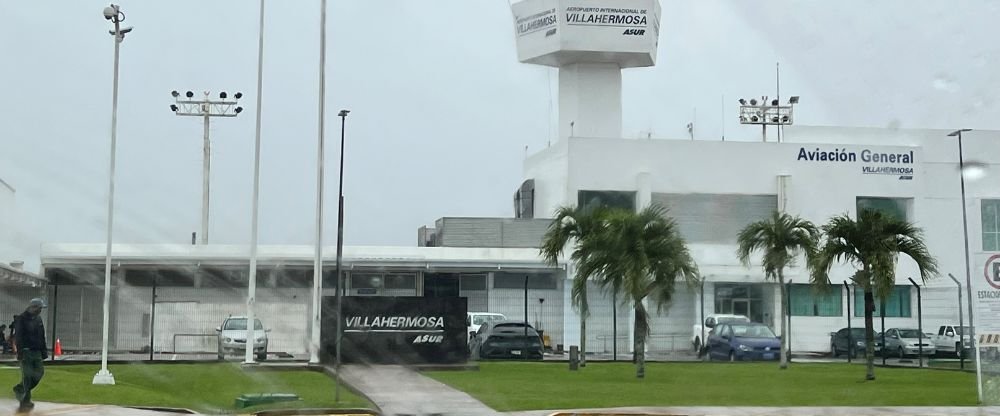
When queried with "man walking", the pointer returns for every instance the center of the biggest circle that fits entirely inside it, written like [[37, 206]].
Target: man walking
[[29, 336]]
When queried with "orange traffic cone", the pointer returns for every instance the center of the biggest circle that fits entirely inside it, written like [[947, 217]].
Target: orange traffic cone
[[58, 348]]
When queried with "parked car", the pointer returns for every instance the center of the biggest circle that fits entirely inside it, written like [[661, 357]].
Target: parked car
[[473, 320], [906, 341], [743, 342], [952, 340], [506, 340], [710, 322], [848, 341], [233, 337]]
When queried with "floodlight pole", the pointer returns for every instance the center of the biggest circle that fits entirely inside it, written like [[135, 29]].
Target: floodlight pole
[[205, 108]]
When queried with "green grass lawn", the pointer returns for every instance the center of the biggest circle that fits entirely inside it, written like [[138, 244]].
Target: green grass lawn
[[208, 387], [538, 386]]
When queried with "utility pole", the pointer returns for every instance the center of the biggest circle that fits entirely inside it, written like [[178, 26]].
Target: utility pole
[[206, 108]]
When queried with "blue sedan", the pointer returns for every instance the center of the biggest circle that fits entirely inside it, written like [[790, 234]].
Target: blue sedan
[[743, 342]]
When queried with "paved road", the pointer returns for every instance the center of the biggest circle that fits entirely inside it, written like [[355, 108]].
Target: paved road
[[397, 390], [8, 407]]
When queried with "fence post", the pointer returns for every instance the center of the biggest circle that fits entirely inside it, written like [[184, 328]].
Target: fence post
[[152, 319], [920, 325], [850, 341]]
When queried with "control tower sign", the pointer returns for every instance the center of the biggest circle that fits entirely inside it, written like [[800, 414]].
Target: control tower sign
[[561, 32], [590, 41]]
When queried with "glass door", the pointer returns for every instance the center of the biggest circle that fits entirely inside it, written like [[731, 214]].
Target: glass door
[[741, 307]]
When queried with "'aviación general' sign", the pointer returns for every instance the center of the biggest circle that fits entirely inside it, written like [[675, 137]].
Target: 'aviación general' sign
[[873, 162]]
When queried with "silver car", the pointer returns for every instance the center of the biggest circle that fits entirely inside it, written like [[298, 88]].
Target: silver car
[[906, 341], [233, 337]]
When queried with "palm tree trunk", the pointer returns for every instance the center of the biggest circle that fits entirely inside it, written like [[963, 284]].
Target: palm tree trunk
[[784, 322], [870, 335], [640, 340], [583, 340]]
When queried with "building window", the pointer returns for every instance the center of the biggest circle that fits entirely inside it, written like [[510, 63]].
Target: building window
[[991, 224], [893, 207], [473, 282], [715, 218], [610, 199], [805, 300], [897, 305], [400, 281], [366, 281], [506, 280], [736, 299]]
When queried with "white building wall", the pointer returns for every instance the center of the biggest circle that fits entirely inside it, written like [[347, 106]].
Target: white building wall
[[816, 191]]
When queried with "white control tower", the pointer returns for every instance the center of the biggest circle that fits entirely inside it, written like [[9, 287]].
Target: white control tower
[[590, 41]]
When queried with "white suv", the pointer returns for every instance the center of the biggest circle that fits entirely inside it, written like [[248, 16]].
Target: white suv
[[233, 337]]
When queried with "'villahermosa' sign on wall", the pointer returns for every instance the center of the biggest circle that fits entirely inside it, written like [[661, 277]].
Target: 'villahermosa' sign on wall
[[873, 162], [397, 330]]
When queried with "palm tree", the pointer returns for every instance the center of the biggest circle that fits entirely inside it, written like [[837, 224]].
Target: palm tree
[[573, 226], [872, 244], [780, 239], [639, 255]]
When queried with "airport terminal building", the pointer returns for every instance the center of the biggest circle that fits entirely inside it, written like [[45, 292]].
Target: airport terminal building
[[712, 189], [172, 296]]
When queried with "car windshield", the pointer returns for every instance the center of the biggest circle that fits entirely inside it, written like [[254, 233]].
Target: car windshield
[[909, 333], [753, 331], [857, 333], [482, 319], [732, 319], [241, 324]]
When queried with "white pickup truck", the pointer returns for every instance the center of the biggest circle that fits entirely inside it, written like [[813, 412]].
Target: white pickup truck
[[951, 339], [710, 322]]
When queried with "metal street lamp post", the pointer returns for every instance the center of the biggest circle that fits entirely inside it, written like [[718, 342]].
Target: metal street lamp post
[[340, 252], [116, 16], [968, 270]]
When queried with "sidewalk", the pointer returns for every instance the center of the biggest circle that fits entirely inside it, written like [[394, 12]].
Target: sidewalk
[[397, 390], [8, 407], [776, 411]]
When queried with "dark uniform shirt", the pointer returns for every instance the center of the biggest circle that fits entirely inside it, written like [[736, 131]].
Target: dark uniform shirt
[[29, 332]]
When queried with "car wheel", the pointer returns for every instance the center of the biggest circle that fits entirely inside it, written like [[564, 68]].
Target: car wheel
[[262, 356], [833, 350], [222, 354], [958, 350], [732, 356], [901, 353], [697, 346]]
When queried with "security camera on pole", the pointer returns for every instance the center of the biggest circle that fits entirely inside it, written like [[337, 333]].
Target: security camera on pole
[[206, 108], [116, 16]]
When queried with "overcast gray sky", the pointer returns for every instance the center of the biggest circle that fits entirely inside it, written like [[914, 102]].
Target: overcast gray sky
[[441, 109]]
